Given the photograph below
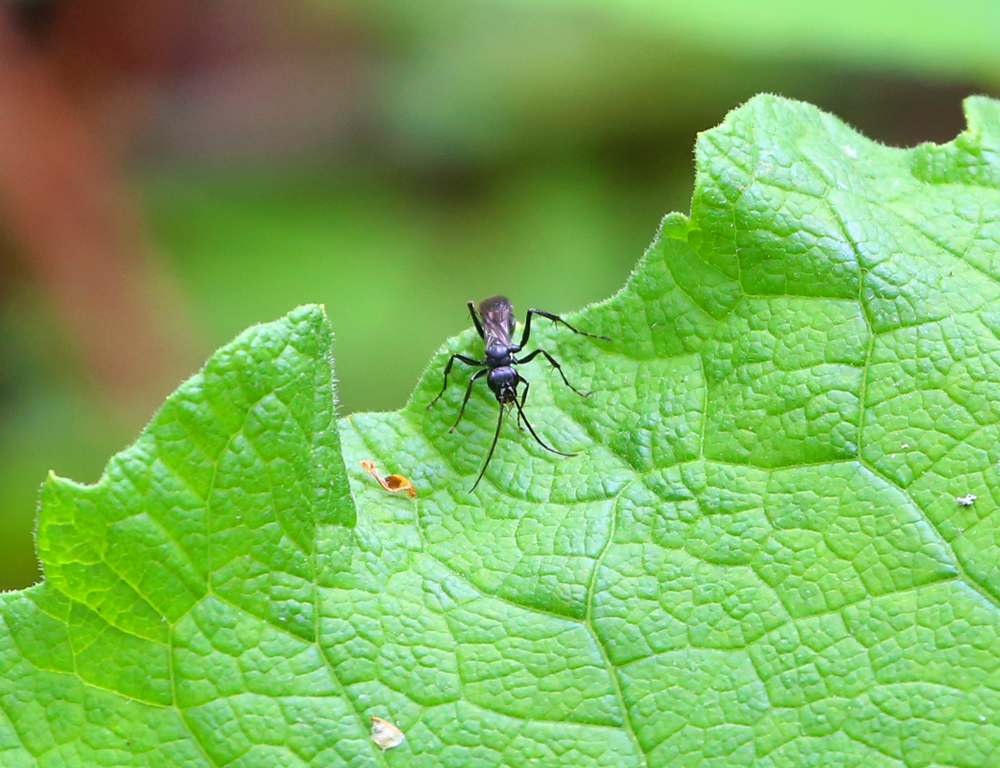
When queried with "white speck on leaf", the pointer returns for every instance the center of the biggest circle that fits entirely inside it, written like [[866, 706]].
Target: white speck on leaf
[[385, 734], [966, 501]]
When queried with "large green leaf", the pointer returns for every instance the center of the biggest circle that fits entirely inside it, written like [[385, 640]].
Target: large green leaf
[[759, 557]]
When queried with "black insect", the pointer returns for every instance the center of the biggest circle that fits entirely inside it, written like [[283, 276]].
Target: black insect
[[495, 323]]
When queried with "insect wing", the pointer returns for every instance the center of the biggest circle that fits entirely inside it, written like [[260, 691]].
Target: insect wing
[[498, 320]]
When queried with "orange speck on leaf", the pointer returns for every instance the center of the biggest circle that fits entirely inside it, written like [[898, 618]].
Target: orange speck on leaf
[[392, 483]]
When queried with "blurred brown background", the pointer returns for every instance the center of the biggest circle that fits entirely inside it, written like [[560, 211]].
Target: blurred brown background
[[174, 171]]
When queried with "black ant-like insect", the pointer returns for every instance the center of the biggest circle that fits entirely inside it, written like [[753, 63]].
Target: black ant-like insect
[[495, 324]]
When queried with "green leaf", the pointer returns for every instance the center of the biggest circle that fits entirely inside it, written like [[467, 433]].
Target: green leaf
[[758, 558], [179, 608]]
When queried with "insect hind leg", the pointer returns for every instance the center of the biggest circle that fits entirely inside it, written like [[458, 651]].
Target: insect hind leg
[[555, 319]]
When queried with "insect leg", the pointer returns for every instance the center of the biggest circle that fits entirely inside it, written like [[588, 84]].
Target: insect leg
[[554, 319], [447, 370], [555, 364], [468, 391], [524, 396], [475, 319], [489, 455], [520, 411]]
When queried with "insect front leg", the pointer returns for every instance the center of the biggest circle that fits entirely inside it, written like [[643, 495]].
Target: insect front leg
[[524, 397], [447, 370], [554, 319], [555, 364], [520, 413], [468, 392]]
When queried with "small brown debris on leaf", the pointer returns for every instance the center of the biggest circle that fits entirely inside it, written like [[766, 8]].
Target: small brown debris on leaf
[[392, 483], [385, 734]]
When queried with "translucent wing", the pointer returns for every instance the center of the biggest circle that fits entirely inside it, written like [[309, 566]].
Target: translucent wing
[[497, 316]]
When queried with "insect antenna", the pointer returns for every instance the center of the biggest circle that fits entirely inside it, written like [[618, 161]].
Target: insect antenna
[[539, 440], [489, 455]]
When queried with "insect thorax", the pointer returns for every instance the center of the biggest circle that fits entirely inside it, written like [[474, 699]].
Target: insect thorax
[[498, 353]]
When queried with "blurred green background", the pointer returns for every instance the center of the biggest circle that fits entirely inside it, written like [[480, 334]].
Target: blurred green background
[[174, 173]]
